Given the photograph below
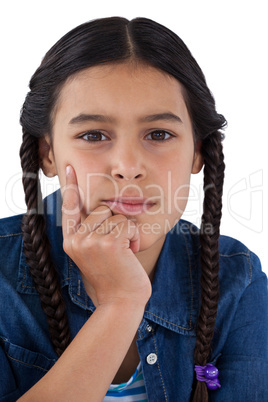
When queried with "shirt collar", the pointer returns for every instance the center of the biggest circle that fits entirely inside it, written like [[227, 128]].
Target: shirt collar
[[174, 302]]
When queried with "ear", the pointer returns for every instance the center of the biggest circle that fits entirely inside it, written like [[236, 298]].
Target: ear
[[198, 158], [46, 157]]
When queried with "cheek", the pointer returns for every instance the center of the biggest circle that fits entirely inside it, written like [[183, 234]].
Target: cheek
[[177, 188], [79, 163], [180, 198]]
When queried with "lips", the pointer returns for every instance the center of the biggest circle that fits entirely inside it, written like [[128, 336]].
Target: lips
[[129, 205]]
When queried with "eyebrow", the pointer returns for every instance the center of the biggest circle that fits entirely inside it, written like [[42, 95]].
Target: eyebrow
[[81, 118], [84, 117], [161, 116]]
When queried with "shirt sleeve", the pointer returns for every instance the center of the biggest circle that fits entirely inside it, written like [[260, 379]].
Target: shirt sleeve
[[243, 364], [8, 388]]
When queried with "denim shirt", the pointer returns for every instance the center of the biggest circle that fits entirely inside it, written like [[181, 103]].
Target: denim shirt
[[167, 333]]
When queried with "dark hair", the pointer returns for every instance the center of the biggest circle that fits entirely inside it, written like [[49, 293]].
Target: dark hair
[[111, 40]]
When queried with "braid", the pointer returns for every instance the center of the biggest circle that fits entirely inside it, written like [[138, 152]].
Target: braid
[[36, 248], [209, 237]]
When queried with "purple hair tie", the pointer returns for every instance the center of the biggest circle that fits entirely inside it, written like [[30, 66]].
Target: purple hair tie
[[209, 374]]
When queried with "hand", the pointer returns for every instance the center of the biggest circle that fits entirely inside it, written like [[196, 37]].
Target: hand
[[103, 248]]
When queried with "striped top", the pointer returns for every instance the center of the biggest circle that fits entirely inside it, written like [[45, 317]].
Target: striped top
[[133, 390]]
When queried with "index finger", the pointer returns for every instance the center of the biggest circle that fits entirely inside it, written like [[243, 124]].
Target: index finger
[[71, 215]]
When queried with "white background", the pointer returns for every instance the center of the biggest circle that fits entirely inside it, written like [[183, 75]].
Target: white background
[[228, 39]]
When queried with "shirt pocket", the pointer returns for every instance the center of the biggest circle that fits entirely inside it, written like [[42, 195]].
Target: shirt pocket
[[25, 366]]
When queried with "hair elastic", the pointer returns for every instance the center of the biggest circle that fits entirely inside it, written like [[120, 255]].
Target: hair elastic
[[209, 374]]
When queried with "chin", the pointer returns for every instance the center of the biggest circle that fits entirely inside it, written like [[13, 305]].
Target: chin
[[150, 241]]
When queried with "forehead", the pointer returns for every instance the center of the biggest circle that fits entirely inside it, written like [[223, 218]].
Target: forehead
[[117, 87]]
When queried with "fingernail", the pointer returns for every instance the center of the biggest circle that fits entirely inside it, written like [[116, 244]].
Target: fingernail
[[68, 170]]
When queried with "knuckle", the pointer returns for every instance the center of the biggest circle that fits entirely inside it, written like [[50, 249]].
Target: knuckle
[[70, 207], [122, 218], [108, 242], [67, 205]]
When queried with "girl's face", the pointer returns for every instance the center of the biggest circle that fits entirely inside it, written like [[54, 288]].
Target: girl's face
[[127, 133]]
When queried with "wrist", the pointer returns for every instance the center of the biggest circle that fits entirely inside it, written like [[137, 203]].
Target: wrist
[[123, 298], [124, 304]]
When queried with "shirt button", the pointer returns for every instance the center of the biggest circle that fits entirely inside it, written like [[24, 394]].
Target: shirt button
[[151, 358], [149, 328]]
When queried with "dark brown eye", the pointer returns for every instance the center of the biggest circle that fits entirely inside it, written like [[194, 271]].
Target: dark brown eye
[[94, 136], [159, 135]]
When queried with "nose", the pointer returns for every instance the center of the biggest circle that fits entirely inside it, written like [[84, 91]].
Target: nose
[[128, 165]]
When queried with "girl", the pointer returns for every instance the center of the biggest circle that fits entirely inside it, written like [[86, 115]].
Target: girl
[[106, 293]]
